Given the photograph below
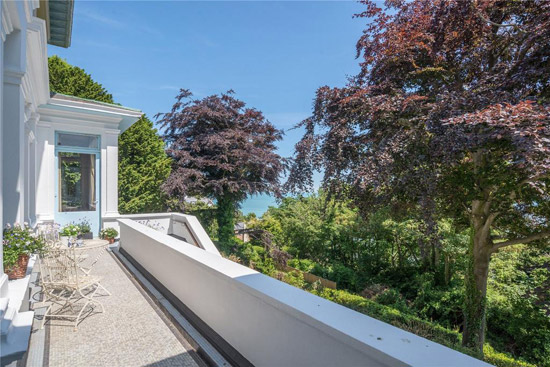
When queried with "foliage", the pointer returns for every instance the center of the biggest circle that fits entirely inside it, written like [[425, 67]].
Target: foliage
[[143, 168], [415, 325], [85, 226], [206, 214], [448, 116], [74, 81], [222, 150], [19, 240], [108, 233], [385, 268], [70, 230], [517, 315]]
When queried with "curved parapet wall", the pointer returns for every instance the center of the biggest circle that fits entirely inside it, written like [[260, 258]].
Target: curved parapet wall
[[270, 323], [183, 226]]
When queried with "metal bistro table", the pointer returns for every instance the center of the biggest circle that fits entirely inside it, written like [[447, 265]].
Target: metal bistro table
[[84, 249]]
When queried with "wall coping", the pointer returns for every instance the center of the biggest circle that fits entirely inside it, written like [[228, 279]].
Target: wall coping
[[382, 341]]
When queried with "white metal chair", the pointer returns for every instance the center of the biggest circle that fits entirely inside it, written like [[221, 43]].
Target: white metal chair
[[68, 292]]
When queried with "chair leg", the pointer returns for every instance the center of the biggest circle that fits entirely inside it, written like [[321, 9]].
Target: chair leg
[[80, 314], [44, 317], [105, 289]]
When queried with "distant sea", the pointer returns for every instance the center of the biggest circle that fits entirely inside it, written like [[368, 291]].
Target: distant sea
[[257, 204]]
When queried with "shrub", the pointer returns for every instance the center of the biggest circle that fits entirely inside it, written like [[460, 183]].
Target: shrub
[[425, 329], [70, 230], [301, 264], [295, 279], [19, 240], [107, 233], [85, 226]]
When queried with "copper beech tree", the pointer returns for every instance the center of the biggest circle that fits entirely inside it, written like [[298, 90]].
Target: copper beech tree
[[449, 115], [222, 150]]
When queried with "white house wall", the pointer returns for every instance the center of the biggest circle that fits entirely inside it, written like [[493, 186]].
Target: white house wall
[[23, 87], [49, 123]]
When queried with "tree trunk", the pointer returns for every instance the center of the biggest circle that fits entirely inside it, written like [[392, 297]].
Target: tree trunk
[[226, 221], [479, 255], [447, 269]]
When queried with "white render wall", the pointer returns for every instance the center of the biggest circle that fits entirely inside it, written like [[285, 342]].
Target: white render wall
[[23, 87], [272, 323]]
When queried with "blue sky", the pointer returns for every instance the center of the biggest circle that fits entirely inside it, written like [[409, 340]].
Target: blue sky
[[274, 55]]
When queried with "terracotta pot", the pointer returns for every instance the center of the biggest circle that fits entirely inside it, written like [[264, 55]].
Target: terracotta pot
[[19, 270], [111, 240]]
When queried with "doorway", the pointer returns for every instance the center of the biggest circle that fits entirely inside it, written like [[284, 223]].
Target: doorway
[[77, 180]]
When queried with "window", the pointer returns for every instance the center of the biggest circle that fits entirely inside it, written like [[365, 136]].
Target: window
[[77, 182], [77, 140]]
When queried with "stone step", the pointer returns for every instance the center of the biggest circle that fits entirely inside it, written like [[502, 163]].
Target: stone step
[[16, 342], [4, 302], [7, 319]]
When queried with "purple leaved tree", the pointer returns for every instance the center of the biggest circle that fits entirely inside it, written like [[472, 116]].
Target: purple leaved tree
[[450, 116], [223, 150]]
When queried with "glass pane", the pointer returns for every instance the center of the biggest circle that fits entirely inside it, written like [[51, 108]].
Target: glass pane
[[77, 191], [74, 140]]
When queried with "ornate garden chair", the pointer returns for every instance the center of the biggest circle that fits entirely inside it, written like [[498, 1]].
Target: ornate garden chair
[[68, 292]]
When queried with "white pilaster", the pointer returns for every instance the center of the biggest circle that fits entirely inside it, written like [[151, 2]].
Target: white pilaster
[[109, 200]]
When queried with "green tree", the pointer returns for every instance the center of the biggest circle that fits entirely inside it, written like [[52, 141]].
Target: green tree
[[143, 168], [74, 81]]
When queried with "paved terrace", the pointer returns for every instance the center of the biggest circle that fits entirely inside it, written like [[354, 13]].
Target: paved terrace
[[133, 331]]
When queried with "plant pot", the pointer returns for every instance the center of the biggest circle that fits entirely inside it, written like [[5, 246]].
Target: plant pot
[[19, 270], [64, 240], [111, 240], [86, 236]]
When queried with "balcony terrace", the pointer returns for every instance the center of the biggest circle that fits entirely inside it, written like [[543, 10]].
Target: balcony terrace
[[177, 303]]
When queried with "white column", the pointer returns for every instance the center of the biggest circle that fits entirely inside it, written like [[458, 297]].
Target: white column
[[30, 169], [13, 128], [45, 172], [109, 200], [3, 277]]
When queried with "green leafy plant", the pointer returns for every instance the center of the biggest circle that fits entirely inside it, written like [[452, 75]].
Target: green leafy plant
[[19, 240], [108, 233], [70, 230], [85, 226]]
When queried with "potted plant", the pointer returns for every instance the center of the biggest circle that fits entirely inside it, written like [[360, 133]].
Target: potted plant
[[85, 230], [19, 242], [68, 231], [109, 234]]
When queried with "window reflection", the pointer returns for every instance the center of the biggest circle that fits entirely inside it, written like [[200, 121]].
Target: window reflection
[[77, 173]]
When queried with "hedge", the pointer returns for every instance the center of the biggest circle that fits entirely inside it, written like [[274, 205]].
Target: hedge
[[415, 325]]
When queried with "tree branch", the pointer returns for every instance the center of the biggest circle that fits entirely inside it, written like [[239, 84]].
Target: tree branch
[[511, 25], [517, 241], [532, 179]]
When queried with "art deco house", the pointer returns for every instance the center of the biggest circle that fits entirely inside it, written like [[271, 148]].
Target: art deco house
[[174, 300]]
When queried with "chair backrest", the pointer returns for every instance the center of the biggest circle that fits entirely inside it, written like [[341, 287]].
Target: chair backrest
[[49, 232], [58, 268]]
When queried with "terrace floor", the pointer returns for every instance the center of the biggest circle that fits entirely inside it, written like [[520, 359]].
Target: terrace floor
[[133, 331]]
